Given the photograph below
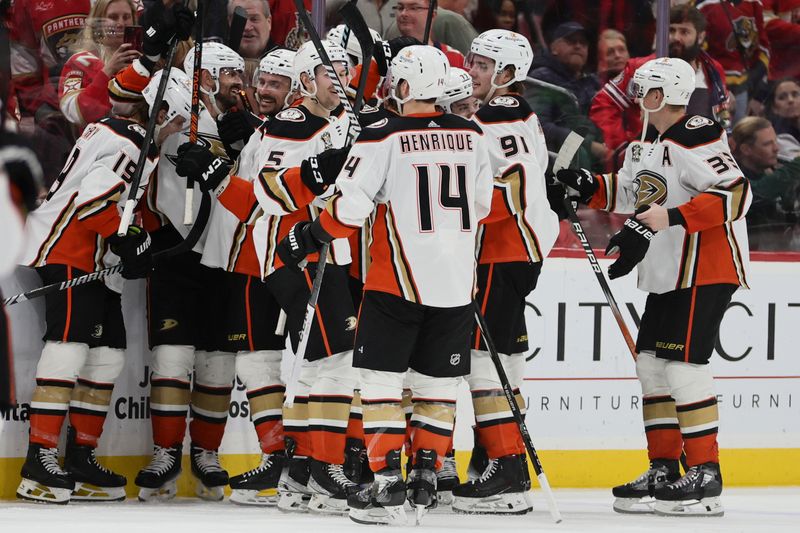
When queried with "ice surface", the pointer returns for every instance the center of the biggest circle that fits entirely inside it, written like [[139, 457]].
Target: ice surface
[[746, 510]]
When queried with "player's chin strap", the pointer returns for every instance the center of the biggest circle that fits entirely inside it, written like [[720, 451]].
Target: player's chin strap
[[646, 115]]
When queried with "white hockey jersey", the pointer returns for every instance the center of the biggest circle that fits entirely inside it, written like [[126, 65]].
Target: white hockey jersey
[[83, 206], [689, 168], [514, 136], [432, 182]]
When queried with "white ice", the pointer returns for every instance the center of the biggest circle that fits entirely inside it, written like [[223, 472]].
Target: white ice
[[746, 510]]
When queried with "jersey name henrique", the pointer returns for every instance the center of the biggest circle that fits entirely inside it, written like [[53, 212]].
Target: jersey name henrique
[[433, 141]]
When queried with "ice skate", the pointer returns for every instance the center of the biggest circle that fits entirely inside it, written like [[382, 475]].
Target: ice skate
[[43, 480], [93, 482], [446, 480], [479, 460], [382, 502], [356, 463], [210, 477], [637, 496], [157, 481], [421, 492], [695, 494], [501, 489], [259, 486], [329, 487], [293, 492]]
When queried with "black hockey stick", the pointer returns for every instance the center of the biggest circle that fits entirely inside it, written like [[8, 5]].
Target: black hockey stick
[[184, 246], [517, 414], [238, 22], [194, 117], [565, 155], [355, 22], [432, 4]]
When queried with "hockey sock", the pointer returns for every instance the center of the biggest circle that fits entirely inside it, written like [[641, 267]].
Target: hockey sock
[[56, 372], [699, 426], [408, 408], [169, 393], [295, 418], [260, 372], [329, 407], [91, 396], [211, 397], [661, 427], [496, 428], [434, 414], [384, 420], [355, 423]]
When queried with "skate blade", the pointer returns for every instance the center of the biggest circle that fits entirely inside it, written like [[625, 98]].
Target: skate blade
[[513, 503], [36, 492], [164, 493], [293, 502], [705, 507], [323, 504], [262, 498], [642, 505], [419, 513], [444, 497], [209, 494], [86, 492], [390, 516]]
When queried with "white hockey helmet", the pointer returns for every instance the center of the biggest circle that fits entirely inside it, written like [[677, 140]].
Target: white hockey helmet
[[306, 61], [424, 68], [216, 56], [279, 62], [674, 76], [352, 46], [177, 94], [506, 48], [457, 87]]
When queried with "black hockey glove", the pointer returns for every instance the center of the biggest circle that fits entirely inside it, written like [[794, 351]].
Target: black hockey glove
[[631, 242], [320, 171], [235, 129], [134, 251], [304, 238], [198, 163], [582, 182], [23, 169], [384, 51], [555, 197], [162, 24]]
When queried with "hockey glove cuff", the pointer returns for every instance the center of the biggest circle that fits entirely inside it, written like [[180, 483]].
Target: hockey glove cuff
[[555, 197], [632, 243], [134, 250], [198, 163], [303, 239], [320, 171], [579, 181]]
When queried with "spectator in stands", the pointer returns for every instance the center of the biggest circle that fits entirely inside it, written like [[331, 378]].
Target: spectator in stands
[[774, 187], [378, 14], [99, 55], [501, 14], [614, 111], [286, 29], [783, 31], [783, 111], [612, 54], [736, 37], [563, 92], [451, 32], [256, 37]]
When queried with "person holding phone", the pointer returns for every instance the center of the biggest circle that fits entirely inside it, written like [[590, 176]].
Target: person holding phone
[[107, 45]]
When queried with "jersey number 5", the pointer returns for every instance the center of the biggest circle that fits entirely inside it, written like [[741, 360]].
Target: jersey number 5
[[448, 198]]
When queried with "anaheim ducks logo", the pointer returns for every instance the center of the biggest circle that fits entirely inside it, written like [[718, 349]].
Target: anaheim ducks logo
[[504, 101], [651, 188]]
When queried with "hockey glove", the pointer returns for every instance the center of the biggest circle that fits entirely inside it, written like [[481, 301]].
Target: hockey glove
[[555, 197], [198, 163], [631, 242], [320, 171], [162, 25], [23, 169], [579, 181], [384, 51], [304, 238], [235, 129], [134, 251]]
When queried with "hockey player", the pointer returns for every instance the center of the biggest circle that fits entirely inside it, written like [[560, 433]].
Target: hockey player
[[71, 234], [416, 315], [689, 239], [457, 97], [181, 293], [322, 407], [511, 250]]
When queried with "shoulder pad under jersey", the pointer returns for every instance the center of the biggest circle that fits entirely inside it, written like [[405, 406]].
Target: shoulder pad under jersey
[[395, 124], [693, 131], [295, 123], [130, 130], [505, 108]]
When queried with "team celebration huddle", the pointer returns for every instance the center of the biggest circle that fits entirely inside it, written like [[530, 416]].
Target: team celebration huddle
[[381, 209]]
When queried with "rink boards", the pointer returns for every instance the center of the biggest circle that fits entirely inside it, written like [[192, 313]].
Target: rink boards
[[584, 410]]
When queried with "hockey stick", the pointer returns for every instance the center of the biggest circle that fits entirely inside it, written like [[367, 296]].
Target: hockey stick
[[185, 245], [188, 199], [130, 203], [429, 21], [238, 22], [355, 21], [517, 414], [563, 159]]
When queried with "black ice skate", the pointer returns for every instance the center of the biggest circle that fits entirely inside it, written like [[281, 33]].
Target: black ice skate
[[93, 482], [330, 488], [637, 497], [502, 489], [422, 481], [356, 463], [43, 480], [293, 491], [259, 486], [695, 494], [381, 502], [446, 480], [211, 477], [157, 481], [479, 459]]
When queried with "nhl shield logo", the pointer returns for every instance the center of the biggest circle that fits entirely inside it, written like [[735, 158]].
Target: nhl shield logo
[[636, 152], [455, 359]]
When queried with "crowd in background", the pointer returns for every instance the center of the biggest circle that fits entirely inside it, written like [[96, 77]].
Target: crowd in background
[[63, 55]]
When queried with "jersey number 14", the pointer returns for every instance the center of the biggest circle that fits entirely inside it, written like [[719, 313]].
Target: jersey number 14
[[448, 199]]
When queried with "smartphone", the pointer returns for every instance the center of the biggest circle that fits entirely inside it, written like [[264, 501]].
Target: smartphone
[[134, 36]]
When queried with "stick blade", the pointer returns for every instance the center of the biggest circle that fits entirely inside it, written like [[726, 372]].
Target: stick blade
[[238, 22]]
